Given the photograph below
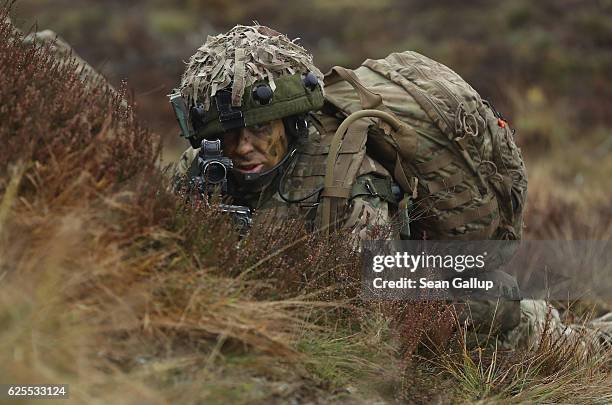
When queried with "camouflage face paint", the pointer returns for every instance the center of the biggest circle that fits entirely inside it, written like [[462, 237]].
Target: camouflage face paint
[[257, 148]]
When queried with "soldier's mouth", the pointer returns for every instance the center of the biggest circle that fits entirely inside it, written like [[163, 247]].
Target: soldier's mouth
[[255, 168]]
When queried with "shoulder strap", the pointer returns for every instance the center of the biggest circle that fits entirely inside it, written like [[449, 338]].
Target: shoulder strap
[[368, 98]]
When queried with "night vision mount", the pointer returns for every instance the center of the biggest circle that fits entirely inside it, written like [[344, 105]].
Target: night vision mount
[[191, 120]]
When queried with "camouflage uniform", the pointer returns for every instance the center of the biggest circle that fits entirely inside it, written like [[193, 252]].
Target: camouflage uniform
[[365, 210]]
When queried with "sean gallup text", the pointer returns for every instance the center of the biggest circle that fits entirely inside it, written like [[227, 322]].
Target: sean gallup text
[[423, 283]]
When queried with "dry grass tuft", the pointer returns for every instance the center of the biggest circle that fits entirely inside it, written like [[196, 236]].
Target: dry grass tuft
[[561, 369]]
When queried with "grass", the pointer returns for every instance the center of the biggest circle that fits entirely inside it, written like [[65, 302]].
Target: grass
[[112, 284], [560, 369], [365, 355]]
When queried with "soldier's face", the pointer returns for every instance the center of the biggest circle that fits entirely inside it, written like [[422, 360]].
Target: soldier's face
[[257, 148]]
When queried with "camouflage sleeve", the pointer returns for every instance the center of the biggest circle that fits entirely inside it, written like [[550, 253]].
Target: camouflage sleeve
[[369, 215], [182, 166], [179, 169], [540, 320]]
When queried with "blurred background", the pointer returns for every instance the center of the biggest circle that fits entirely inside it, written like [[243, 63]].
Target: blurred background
[[545, 65]]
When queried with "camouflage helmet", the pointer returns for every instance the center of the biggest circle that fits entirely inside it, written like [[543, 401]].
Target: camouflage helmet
[[250, 75]]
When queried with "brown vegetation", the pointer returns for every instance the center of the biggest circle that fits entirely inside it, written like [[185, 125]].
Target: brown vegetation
[[127, 292], [113, 284]]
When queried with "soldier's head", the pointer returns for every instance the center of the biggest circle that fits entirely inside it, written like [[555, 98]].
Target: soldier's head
[[251, 88], [257, 148]]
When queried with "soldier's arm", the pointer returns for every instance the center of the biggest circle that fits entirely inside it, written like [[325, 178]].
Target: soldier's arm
[[181, 168], [372, 203]]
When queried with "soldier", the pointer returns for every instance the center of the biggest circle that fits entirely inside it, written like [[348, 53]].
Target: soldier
[[261, 96]]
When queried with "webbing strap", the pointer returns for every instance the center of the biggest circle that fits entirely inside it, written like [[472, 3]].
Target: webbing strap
[[316, 121], [467, 216], [314, 149], [439, 161], [445, 183], [329, 124], [406, 138], [367, 98], [371, 185], [485, 233], [400, 175], [308, 168], [454, 201], [359, 130], [336, 192]]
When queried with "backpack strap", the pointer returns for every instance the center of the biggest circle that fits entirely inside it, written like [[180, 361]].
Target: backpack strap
[[341, 171], [357, 125], [402, 135], [469, 215], [368, 99]]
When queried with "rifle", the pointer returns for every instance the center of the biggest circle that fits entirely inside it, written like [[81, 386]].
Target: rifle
[[213, 167]]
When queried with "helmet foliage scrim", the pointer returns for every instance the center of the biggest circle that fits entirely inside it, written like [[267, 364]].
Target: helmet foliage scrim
[[239, 58]]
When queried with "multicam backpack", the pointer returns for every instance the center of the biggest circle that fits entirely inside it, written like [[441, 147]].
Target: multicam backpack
[[452, 154]]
